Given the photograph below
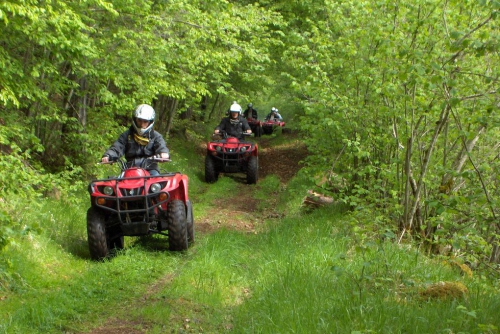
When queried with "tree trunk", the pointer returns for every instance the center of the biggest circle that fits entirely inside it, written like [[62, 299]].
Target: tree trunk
[[213, 108], [171, 114], [443, 118]]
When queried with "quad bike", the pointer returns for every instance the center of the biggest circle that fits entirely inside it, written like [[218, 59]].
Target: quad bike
[[138, 204], [231, 155], [256, 126], [270, 125]]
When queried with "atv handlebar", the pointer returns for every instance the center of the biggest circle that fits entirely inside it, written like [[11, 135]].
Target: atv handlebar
[[157, 158], [112, 160], [224, 134]]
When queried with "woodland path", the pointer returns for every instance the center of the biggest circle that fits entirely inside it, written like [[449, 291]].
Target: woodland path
[[238, 211]]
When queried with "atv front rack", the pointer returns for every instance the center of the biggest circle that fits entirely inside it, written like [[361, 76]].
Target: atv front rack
[[137, 197]]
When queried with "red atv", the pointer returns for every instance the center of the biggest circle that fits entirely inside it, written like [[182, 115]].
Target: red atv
[[256, 126], [231, 155], [137, 204], [270, 125]]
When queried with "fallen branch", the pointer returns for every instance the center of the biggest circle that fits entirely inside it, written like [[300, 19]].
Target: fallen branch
[[315, 200]]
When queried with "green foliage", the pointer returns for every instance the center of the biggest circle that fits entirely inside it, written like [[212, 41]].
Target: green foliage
[[398, 105], [65, 61], [21, 174], [375, 80], [6, 230]]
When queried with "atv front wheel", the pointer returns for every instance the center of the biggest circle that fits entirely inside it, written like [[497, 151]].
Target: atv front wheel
[[177, 226], [190, 221], [211, 173], [253, 170], [96, 231]]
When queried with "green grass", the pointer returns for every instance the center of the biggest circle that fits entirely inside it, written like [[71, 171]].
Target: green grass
[[316, 272]]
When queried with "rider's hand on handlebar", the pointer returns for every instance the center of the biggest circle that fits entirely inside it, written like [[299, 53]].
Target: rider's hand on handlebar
[[160, 157], [105, 159]]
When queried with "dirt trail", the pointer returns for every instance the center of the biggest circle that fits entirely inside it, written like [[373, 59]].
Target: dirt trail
[[240, 211]]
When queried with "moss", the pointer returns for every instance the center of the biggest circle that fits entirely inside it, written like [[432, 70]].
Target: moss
[[444, 290]]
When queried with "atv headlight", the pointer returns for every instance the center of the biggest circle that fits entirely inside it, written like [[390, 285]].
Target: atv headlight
[[108, 190], [243, 149], [218, 148], [155, 188]]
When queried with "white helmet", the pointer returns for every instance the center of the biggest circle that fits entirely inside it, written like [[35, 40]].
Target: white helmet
[[235, 107], [273, 109], [146, 112]]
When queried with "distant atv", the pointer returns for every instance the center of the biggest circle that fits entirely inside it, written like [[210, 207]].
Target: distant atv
[[230, 155], [256, 126], [270, 125], [137, 204]]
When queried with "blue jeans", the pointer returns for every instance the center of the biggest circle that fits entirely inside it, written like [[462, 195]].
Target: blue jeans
[[153, 172]]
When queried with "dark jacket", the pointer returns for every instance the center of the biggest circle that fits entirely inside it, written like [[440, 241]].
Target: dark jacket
[[253, 115], [128, 147], [235, 129]]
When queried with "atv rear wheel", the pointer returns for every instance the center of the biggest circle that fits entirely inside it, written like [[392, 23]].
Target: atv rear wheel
[[190, 221], [211, 173], [177, 226], [96, 232], [253, 169]]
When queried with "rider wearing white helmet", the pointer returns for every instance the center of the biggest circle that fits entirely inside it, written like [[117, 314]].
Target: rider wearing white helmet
[[274, 115], [140, 140], [234, 125]]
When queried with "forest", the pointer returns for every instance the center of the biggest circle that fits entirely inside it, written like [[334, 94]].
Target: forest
[[397, 102]]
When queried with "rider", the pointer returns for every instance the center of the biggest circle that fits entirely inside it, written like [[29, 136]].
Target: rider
[[139, 141], [234, 124], [250, 112], [277, 115], [274, 115]]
